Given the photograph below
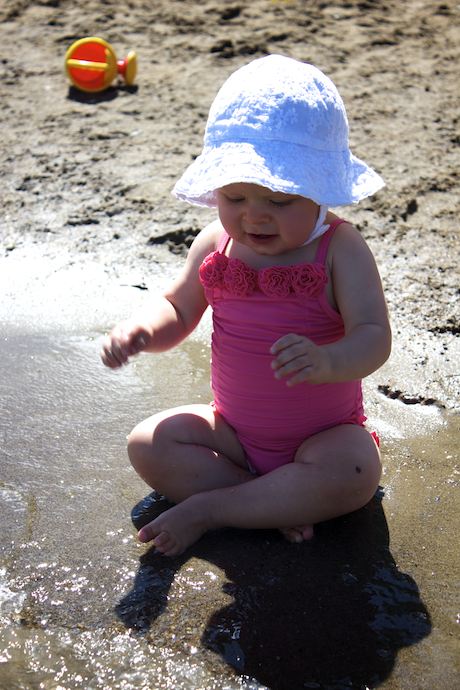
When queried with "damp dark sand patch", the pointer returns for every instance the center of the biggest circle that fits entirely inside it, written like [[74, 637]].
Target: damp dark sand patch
[[359, 602]]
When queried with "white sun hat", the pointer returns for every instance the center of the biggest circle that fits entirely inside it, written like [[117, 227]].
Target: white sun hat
[[281, 124]]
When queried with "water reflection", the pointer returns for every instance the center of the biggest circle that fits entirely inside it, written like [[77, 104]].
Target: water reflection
[[333, 612], [77, 609]]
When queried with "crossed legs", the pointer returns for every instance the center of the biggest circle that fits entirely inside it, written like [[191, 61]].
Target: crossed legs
[[192, 456]]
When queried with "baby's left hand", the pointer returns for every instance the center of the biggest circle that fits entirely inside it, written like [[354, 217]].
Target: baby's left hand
[[302, 360]]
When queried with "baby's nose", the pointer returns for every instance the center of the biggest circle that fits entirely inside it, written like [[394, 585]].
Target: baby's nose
[[256, 214]]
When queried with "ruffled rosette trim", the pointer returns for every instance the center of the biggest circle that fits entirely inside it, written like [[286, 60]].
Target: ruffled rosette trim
[[305, 280]]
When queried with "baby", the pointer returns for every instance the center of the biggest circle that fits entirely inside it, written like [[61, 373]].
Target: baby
[[299, 318]]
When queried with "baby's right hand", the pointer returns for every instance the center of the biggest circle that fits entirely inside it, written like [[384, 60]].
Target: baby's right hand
[[125, 340]]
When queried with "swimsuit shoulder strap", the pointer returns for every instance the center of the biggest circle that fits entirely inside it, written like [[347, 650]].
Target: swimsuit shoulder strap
[[224, 240], [326, 238]]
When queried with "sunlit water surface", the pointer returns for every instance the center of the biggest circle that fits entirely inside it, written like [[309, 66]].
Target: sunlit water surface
[[372, 601]]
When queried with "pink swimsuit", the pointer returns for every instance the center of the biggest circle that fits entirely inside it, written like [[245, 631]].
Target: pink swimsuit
[[251, 311]]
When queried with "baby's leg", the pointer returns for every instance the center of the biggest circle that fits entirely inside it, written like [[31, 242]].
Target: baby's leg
[[329, 443], [334, 473], [186, 451]]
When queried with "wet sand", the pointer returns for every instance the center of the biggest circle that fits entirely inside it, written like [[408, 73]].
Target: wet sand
[[372, 600], [88, 230]]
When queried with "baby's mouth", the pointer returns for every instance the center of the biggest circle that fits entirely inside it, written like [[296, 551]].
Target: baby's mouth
[[261, 237]]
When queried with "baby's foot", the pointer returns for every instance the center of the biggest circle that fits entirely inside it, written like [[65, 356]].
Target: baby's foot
[[297, 534], [150, 508], [178, 528]]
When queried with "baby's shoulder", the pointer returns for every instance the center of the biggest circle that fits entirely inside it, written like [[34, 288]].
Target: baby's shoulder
[[345, 234], [208, 239], [204, 244], [347, 246]]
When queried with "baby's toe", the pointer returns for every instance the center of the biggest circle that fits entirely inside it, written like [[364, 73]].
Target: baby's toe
[[168, 545], [145, 534], [176, 550], [291, 534], [296, 535], [307, 532], [163, 541]]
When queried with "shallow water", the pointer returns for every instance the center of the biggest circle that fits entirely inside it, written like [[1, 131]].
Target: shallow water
[[373, 600]]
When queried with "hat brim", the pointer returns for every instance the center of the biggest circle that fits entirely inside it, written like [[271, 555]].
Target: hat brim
[[332, 178]]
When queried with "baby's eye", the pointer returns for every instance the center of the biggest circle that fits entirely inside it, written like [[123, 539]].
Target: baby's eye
[[235, 200], [280, 203]]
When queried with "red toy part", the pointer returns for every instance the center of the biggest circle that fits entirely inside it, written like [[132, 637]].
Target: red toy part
[[91, 65], [128, 67]]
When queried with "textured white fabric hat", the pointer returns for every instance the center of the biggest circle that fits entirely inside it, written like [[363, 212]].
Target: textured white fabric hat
[[281, 124]]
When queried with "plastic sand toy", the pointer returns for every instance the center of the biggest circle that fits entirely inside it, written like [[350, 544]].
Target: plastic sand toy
[[91, 65]]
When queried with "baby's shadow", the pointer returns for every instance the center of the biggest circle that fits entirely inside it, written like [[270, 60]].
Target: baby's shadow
[[334, 610]]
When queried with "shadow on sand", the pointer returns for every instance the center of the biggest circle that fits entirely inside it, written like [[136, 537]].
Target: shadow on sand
[[93, 98], [332, 612]]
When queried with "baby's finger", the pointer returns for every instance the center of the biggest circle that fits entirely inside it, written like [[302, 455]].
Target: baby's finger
[[285, 342], [292, 366], [300, 376], [298, 353], [114, 353], [109, 359], [120, 349]]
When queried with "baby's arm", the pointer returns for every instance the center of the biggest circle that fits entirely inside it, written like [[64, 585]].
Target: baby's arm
[[359, 295], [169, 318]]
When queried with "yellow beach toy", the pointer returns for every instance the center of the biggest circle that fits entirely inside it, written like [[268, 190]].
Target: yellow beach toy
[[91, 65]]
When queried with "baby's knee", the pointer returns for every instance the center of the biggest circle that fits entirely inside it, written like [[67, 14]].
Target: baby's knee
[[137, 446], [140, 444], [345, 458], [148, 443]]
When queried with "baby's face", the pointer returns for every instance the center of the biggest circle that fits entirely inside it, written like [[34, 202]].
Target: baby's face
[[270, 223]]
